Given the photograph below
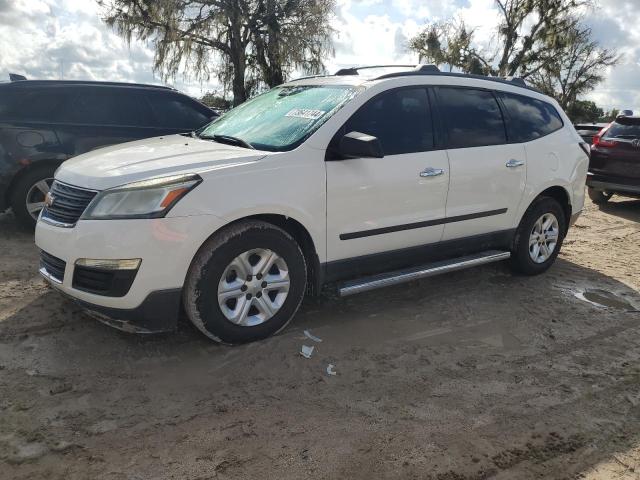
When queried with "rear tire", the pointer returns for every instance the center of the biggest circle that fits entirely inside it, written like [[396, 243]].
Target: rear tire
[[539, 237], [598, 196], [245, 283], [28, 192]]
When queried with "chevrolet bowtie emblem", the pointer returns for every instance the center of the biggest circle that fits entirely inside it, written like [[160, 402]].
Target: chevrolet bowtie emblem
[[49, 199]]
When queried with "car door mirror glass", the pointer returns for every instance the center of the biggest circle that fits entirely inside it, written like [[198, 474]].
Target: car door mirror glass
[[358, 145]]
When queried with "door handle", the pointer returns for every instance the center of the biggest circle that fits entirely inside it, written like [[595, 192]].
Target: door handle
[[513, 163], [431, 172]]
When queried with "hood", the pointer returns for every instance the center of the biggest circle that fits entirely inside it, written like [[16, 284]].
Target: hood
[[153, 157]]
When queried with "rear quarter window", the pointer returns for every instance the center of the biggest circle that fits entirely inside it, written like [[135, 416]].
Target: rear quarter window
[[178, 112], [529, 118]]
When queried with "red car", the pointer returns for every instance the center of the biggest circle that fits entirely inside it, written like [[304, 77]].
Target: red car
[[615, 160]]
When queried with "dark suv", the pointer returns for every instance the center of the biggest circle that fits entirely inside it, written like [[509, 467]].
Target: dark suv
[[615, 160], [44, 123]]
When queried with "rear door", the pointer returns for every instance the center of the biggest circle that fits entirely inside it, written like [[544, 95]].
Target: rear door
[[488, 175], [378, 205]]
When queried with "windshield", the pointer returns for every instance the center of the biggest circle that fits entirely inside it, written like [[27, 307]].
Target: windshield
[[282, 118]]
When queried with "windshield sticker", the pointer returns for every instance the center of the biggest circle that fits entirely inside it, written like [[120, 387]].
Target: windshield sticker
[[305, 113]]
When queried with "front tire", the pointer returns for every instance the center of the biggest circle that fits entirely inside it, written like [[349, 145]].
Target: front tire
[[598, 196], [539, 237], [246, 283]]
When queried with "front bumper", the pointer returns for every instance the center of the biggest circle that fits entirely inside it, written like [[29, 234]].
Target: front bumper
[[166, 247]]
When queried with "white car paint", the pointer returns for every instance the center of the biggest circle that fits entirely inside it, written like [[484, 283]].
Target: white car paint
[[327, 198]]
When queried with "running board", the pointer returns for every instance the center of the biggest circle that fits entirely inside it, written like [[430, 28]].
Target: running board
[[401, 276]]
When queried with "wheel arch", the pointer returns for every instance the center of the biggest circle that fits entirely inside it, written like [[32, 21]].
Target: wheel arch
[[22, 173], [562, 196], [300, 234]]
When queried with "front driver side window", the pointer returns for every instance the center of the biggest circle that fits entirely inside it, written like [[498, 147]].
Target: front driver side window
[[400, 119]]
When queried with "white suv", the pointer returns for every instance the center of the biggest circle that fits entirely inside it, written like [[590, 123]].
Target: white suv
[[372, 180]]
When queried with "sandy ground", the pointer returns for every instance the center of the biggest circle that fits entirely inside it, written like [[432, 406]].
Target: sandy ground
[[474, 375]]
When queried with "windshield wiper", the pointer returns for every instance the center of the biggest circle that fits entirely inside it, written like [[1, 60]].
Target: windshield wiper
[[228, 139]]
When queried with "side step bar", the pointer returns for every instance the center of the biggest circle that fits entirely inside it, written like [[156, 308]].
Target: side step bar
[[401, 276]]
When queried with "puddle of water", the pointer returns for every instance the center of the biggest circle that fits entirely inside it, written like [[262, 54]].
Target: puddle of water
[[603, 298]]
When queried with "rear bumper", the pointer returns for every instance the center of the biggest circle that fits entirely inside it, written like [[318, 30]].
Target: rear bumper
[[612, 184]]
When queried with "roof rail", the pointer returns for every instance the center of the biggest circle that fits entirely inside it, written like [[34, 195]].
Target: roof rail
[[307, 77], [93, 82], [416, 68], [422, 69], [428, 70]]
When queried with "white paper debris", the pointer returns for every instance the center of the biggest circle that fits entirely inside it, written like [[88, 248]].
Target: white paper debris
[[330, 369], [306, 351], [307, 113], [310, 336]]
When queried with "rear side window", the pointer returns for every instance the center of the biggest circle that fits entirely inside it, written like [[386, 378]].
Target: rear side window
[[38, 105], [629, 129], [176, 111], [109, 106], [473, 117], [529, 118], [401, 119]]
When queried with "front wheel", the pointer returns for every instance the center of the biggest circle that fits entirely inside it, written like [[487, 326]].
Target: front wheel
[[539, 237], [246, 283]]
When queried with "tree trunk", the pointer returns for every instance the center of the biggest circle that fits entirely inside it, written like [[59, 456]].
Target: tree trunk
[[238, 58], [239, 88]]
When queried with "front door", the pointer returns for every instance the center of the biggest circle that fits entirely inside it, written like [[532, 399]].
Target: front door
[[377, 205]]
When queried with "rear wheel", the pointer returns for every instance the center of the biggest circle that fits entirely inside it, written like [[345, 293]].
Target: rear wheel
[[598, 196], [27, 198], [539, 237], [246, 283]]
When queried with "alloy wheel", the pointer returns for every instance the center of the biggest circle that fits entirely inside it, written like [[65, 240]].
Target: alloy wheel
[[543, 239], [35, 196]]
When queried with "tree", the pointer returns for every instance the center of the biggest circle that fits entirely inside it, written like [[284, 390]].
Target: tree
[[216, 101], [584, 111], [542, 41], [610, 116], [449, 43], [249, 42], [529, 31], [576, 68]]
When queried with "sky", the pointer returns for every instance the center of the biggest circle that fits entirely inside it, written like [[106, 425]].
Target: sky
[[52, 39]]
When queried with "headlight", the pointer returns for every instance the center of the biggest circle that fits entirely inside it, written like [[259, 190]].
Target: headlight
[[147, 199]]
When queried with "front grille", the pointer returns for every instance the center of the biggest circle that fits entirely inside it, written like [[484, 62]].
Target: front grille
[[68, 203], [52, 265]]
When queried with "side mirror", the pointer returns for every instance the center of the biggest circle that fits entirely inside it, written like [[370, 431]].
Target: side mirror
[[358, 145]]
